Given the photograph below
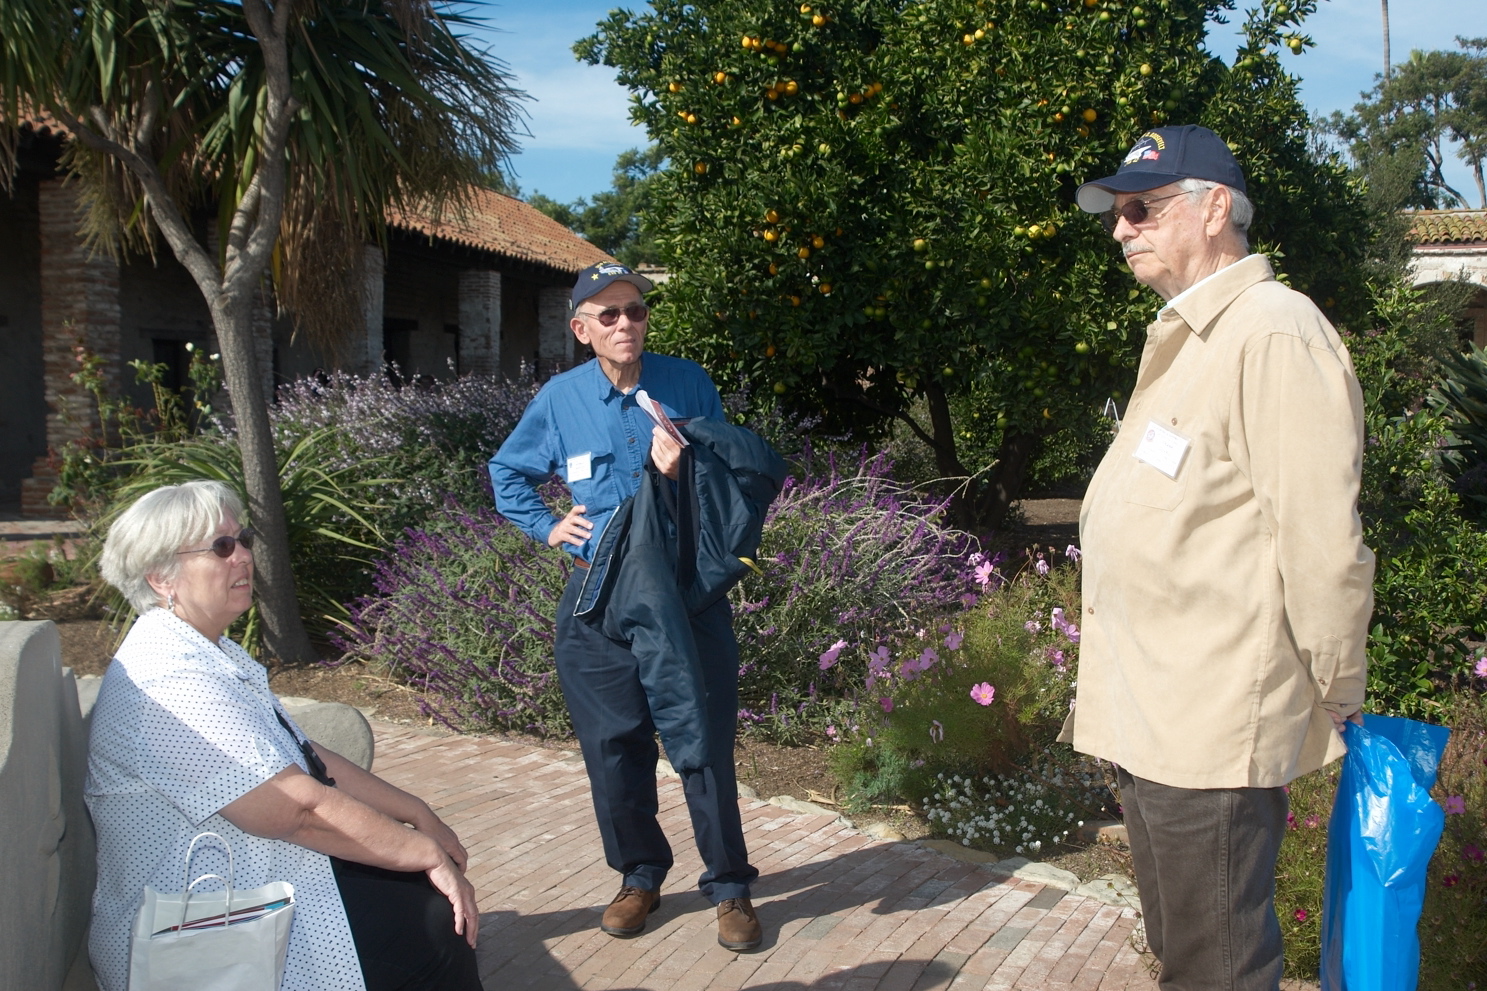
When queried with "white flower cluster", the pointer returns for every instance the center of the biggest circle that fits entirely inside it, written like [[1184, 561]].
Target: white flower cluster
[[1024, 812]]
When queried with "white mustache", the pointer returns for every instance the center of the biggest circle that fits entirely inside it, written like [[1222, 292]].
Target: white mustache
[[1128, 250]]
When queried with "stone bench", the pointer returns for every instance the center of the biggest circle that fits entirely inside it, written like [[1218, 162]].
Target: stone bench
[[47, 845]]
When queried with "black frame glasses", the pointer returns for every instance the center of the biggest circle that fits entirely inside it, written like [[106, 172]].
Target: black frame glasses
[[224, 545], [610, 315], [1133, 212]]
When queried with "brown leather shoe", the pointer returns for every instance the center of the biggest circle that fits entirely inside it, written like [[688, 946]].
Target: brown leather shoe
[[625, 916], [738, 926]]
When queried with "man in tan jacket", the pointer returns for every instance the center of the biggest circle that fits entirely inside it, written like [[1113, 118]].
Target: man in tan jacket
[[1227, 590]]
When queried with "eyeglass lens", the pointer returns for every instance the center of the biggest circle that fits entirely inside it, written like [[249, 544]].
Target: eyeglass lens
[[1134, 211], [610, 315], [224, 546]]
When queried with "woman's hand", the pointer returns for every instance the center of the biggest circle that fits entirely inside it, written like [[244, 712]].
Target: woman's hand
[[452, 884], [435, 829]]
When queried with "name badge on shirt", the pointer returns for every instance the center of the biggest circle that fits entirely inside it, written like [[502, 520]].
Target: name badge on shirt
[[1162, 448], [580, 467]]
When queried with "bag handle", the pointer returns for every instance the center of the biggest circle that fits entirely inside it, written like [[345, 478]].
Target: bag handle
[[186, 888]]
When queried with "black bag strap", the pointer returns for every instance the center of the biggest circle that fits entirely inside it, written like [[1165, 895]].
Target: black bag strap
[[318, 770]]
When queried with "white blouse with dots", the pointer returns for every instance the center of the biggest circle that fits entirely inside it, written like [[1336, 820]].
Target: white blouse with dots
[[181, 728]]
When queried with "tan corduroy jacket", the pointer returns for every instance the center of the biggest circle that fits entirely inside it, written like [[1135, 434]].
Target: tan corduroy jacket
[[1226, 609]]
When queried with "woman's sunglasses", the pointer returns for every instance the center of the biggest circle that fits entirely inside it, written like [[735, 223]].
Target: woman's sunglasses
[[1134, 211], [224, 546], [610, 315]]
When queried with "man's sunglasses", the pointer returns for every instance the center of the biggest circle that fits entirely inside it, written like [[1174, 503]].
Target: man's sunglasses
[[610, 315], [224, 546], [1134, 212]]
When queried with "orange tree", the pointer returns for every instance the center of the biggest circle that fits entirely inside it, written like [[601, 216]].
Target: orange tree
[[871, 202]]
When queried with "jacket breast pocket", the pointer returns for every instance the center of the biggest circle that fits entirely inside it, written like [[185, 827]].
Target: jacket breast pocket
[[1146, 486]]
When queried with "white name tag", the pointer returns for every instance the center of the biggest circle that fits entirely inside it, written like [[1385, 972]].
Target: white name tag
[[580, 467], [1163, 449]]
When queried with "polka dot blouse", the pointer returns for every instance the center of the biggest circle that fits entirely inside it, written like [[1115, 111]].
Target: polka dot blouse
[[181, 728]]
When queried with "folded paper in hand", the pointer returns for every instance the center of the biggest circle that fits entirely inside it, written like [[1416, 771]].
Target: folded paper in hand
[[658, 416]]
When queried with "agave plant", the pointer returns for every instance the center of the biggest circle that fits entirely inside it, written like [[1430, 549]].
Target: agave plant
[[1461, 396]]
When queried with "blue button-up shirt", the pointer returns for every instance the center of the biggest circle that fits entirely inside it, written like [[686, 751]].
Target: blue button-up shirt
[[580, 413]]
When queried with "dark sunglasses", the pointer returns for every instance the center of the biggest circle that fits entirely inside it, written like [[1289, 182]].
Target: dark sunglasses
[[1135, 212], [610, 315], [224, 546]]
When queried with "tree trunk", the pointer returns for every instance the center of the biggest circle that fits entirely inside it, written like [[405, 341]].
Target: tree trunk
[[1004, 484], [278, 605], [983, 505], [1387, 63]]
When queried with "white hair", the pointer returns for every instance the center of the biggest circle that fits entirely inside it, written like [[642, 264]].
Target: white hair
[[143, 541], [1241, 210]]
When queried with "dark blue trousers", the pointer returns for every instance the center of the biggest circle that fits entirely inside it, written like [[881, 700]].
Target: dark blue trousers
[[612, 719]]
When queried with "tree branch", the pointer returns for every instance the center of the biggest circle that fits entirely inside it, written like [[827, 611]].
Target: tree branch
[[163, 208]]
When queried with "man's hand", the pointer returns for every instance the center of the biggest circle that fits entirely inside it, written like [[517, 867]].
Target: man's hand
[[571, 529], [666, 453], [1337, 720]]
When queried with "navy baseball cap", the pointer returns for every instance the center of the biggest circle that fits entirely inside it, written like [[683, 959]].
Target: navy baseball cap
[[597, 277], [1162, 156]]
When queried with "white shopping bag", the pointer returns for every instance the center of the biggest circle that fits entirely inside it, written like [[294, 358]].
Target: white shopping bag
[[211, 941]]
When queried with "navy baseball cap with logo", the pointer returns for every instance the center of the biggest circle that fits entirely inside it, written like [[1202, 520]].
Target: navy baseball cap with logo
[[598, 277], [1162, 156]]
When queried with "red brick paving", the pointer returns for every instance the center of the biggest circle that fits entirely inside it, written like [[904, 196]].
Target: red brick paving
[[841, 911]]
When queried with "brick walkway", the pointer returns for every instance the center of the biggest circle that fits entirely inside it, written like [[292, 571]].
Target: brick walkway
[[841, 911]]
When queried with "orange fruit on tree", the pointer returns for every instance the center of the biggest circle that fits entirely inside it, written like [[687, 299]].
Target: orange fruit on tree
[[818, 241], [804, 252]]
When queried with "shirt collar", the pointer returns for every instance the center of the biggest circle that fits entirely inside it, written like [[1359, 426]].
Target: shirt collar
[[604, 389], [1201, 303]]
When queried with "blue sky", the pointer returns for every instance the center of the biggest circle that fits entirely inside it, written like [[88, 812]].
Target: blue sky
[[579, 117]]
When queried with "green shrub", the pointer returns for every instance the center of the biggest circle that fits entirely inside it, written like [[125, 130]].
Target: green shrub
[[1453, 951], [994, 690], [1301, 868]]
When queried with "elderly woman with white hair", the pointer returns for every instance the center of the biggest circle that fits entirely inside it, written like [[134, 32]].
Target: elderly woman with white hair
[[187, 737]]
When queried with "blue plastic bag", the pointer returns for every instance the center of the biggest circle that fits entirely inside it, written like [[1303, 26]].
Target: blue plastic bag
[[1383, 832]]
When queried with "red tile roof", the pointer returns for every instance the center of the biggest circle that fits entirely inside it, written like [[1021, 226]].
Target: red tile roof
[[1448, 226], [506, 226]]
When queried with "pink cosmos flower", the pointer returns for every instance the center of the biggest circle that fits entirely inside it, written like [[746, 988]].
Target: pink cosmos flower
[[1481, 668], [936, 731], [1470, 851], [1312, 822], [1057, 619], [1455, 805], [1451, 880], [984, 693], [1055, 657], [1301, 915], [1073, 553], [954, 640], [1072, 632], [831, 731], [832, 653], [1032, 626], [877, 661], [886, 703], [983, 573]]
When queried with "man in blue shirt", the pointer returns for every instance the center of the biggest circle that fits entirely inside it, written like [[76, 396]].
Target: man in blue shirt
[[585, 426]]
